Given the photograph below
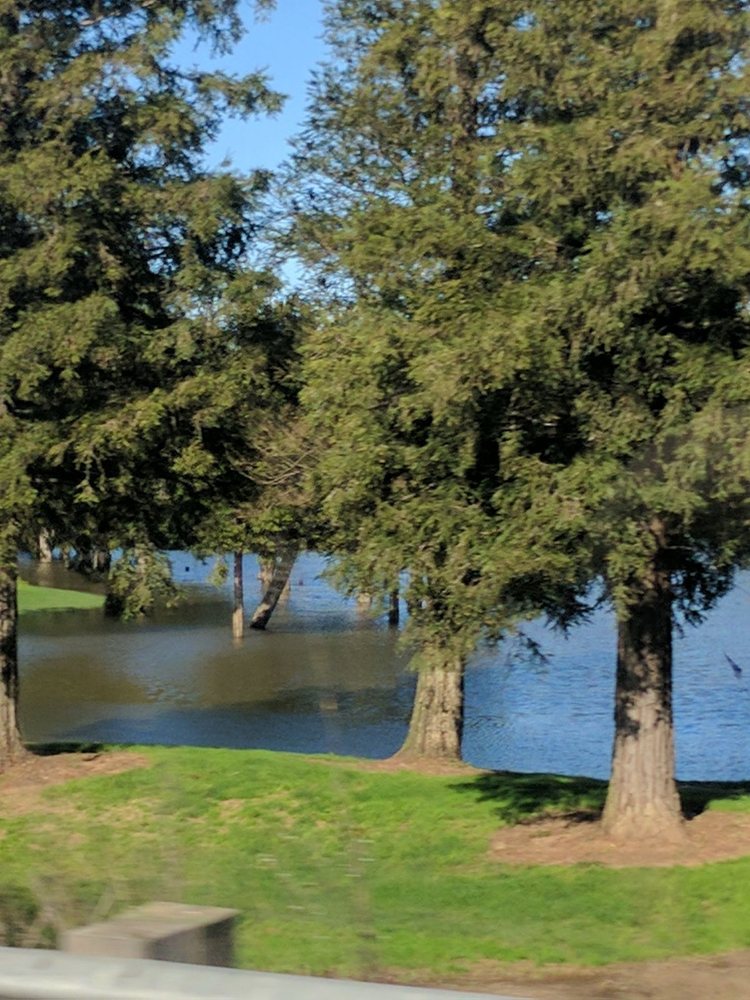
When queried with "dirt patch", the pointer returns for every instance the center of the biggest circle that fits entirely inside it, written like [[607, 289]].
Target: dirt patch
[[22, 784], [711, 836], [415, 765], [719, 977], [418, 766], [230, 809]]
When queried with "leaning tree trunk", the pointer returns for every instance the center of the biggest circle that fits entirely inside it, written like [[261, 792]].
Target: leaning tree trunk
[[11, 746], [238, 612], [642, 800], [265, 572], [437, 718], [282, 569]]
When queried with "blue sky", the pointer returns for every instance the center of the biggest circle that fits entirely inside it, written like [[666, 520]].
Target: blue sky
[[287, 44]]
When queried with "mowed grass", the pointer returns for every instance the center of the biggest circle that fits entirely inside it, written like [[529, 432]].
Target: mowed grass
[[33, 598], [344, 871]]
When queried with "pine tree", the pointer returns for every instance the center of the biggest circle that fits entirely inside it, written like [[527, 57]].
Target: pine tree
[[121, 265], [632, 129], [541, 323], [396, 185], [258, 501]]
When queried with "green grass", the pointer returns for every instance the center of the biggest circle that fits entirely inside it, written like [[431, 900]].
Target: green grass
[[32, 598], [338, 870]]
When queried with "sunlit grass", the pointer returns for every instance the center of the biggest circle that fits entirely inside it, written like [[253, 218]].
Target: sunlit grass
[[33, 598], [340, 870]]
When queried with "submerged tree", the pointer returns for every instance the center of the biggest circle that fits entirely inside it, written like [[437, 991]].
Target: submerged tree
[[262, 329], [118, 249]]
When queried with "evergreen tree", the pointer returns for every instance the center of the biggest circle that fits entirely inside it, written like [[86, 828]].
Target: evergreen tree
[[121, 353], [542, 326], [632, 131], [258, 457], [397, 193]]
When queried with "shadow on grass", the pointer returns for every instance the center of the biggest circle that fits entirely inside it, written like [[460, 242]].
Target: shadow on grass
[[54, 749], [696, 796], [523, 798]]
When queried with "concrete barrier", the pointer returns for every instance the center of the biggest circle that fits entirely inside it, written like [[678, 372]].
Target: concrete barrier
[[50, 975], [170, 932]]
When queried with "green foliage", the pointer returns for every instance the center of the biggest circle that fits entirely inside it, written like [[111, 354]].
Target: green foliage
[[530, 226], [404, 162], [18, 912], [135, 343], [138, 579], [339, 869], [632, 177]]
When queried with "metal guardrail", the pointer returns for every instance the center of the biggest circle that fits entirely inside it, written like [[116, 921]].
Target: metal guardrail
[[51, 975]]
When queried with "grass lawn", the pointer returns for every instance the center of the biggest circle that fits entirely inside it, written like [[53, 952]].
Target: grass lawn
[[31, 598], [341, 870]]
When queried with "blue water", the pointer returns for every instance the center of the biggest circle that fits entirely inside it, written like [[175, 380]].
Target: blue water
[[325, 678]]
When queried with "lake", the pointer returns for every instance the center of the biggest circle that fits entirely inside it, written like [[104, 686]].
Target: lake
[[326, 678]]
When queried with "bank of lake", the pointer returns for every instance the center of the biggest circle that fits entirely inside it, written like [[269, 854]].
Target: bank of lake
[[339, 869]]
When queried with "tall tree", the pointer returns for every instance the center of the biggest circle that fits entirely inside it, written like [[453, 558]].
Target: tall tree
[[560, 365], [120, 254], [398, 205], [632, 136]]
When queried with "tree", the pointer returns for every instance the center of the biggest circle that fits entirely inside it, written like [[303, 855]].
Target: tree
[[261, 503], [632, 136], [545, 322], [119, 256], [397, 197]]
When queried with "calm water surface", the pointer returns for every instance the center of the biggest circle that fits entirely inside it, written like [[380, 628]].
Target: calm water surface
[[326, 679]]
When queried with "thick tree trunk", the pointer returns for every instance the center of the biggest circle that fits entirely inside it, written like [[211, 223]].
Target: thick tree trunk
[[11, 746], [437, 717], [282, 569], [642, 800], [44, 552], [238, 613]]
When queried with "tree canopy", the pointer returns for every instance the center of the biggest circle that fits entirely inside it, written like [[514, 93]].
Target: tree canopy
[[534, 216], [132, 333]]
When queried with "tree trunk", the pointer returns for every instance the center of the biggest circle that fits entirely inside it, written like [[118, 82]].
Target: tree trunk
[[92, 559], [265, 572], [11, 746], [394, 610], [282, 569], [364, 603], [238, 613], [437, 717], [642, 800], [101, 559], [44, 547]]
